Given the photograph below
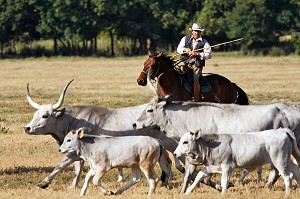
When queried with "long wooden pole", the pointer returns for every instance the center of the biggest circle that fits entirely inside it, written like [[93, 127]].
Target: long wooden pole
[[227, 42]]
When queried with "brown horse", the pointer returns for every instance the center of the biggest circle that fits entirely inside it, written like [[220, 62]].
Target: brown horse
[[214, 87]]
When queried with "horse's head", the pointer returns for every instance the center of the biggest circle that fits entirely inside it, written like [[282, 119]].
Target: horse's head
[[152, 64]]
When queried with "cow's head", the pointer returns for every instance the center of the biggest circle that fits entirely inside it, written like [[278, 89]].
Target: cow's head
[[71, 141], [44, 120], [153, 115], [185, 146]]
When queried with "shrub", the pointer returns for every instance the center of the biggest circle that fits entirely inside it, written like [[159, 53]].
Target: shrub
[[276, 51]]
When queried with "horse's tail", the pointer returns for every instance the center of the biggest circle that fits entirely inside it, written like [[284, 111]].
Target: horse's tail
[[242, 98]]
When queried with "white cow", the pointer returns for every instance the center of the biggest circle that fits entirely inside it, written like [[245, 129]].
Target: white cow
[[175, 118], [140, 153], [56, 120], [221, 153]]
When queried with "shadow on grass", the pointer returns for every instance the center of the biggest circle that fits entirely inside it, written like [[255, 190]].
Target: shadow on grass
[[23, 169]]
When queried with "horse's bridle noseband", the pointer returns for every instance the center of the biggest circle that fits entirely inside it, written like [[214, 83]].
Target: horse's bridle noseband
[[150, 67]]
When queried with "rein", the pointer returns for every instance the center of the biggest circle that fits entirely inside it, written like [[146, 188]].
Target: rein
[[172, 68]]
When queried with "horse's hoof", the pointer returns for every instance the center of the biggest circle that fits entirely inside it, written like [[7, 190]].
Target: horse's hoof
[[43, 185]]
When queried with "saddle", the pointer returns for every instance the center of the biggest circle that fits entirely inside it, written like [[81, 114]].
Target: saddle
[[187, 80]]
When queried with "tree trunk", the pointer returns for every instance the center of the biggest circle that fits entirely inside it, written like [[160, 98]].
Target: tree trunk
[[55, 46], [1, 50], [133, 52], [111, 43], [95, 43]]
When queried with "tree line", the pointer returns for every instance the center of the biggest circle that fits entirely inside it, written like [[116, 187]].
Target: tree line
[[74, 26]]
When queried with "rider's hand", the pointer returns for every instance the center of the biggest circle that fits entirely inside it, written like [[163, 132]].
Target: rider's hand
[[187, 51], [194, 53]]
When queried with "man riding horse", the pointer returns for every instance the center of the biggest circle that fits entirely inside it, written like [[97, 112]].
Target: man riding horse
[[194, 50]]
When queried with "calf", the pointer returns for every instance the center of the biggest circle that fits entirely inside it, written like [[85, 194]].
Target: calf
[[140, 153], [221, 153]]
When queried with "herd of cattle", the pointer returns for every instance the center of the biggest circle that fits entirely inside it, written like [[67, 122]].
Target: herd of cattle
[[231, 136]]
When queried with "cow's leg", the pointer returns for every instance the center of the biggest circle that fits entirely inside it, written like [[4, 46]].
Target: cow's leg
[[78, 166], [296, 156], [259, 174], [68, 159], [135, 178], [246, 172], [296, 172], [189, 170], [287, 177], [178, 164], [226, 173], [96, 180], [86, 181], [165, 164], [152, 178], [120, 175], [170, 145], [273, 177], [200, 176]]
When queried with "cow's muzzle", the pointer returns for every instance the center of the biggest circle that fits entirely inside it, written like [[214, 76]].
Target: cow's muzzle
[[27, 129], [134, 126]]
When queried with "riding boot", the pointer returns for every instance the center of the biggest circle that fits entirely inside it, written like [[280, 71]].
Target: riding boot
[[196, 92]]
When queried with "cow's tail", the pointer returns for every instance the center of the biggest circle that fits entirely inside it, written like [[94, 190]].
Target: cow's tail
[[165, 164], [295, 151]]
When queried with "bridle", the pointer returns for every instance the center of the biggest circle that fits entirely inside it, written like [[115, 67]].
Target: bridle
[[154, 73], [157, 65]]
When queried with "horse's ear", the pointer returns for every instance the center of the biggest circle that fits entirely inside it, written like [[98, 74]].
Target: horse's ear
[[160, 54], [149, 52]]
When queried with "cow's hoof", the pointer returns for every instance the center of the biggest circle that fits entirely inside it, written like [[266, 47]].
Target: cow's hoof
[[43, 185], [109, 193], [230, 184], [120, 179]]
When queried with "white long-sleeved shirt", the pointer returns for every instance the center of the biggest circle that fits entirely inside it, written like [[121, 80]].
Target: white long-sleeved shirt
[[207, 52]]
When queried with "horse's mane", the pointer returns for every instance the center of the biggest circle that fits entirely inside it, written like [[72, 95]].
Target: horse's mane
[[169, 59]]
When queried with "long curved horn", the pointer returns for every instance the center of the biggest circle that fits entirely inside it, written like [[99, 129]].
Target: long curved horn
[[29, 99], [151, 86], [61, 98], [157, 85]]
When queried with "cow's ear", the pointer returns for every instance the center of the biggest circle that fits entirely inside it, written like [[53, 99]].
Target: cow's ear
[[81, 134], [59, 113], [198, 133], [168, 99], [72, 131], [165, 101]]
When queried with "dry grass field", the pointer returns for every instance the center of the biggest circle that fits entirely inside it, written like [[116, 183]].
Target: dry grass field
[[26, 160]]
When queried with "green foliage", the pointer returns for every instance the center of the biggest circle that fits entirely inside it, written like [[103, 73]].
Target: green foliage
[[276, 52], [297, 44], [74, 25], [260, 22]]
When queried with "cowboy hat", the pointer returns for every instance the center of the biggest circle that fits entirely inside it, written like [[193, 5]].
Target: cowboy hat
[[196, 27]]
